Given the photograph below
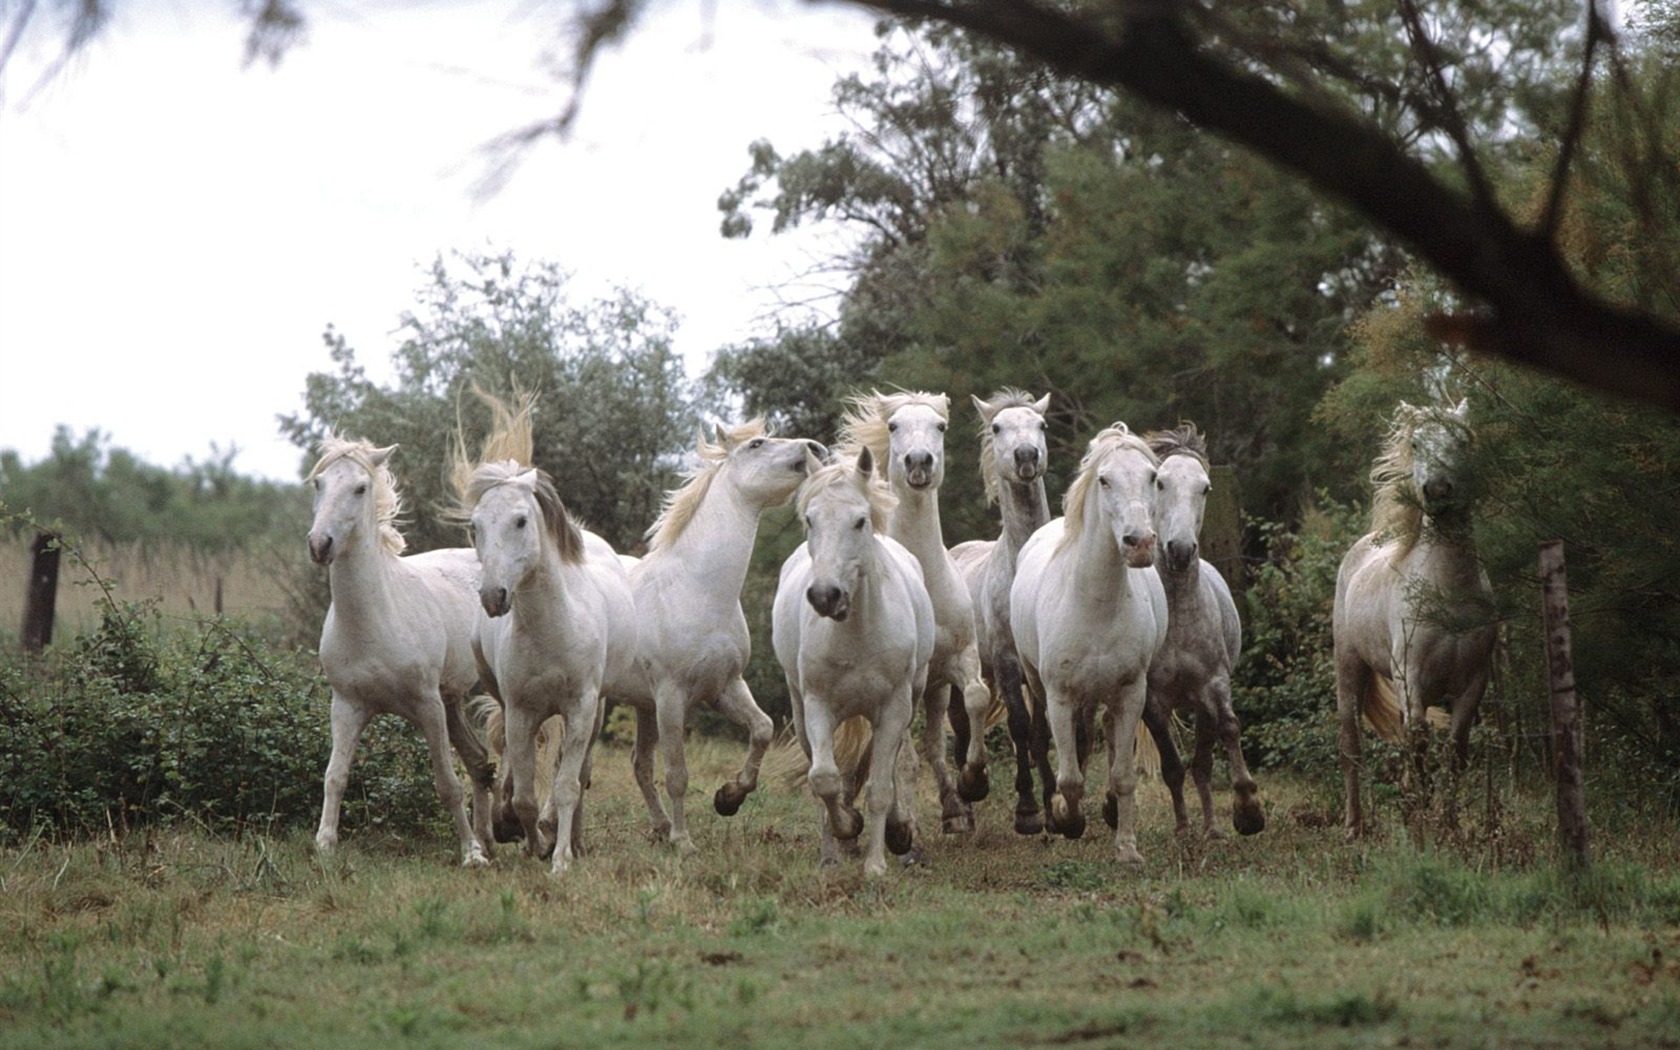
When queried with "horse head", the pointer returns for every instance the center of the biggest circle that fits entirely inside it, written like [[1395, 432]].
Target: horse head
[[353, 496], [518, 523], [916, 442], [1182, 485], [1015, 430], [1115, 490], [1440, 442], [842, 506], [770, 469]]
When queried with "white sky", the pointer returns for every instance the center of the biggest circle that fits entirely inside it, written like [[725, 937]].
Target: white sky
[[177, 229]]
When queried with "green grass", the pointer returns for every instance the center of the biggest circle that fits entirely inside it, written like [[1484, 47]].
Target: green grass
[[1293, 938]]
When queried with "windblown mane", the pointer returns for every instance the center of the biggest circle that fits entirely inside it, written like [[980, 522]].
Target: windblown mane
[[843, 471], [387, 502], [1110, 441], [681, 503], [1182, 440], [865, 422], [1396, 513], [511, 437], [562, 531], [1008, 397]]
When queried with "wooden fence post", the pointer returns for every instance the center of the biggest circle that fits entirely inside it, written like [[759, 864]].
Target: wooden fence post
[[38, 602], [1566, 715], [1222, 526]]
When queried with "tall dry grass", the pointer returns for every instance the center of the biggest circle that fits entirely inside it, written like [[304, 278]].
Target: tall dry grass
[[256, 584]]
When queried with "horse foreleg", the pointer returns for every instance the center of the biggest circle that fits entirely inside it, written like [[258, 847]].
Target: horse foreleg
[[840, 821], [1007, 668], [954, 815], [1123, 716], [1065, 816], [569, 774], [889, 737], [1247, 816], [641, 764], [348, 721], [973, 783], [1157, 716], [1351, 681], [738, 706], [673, 716], [1201, 770], [519, 751]]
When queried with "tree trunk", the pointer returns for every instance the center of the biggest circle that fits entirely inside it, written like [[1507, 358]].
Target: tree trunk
[[1566, 718], [42, 595]]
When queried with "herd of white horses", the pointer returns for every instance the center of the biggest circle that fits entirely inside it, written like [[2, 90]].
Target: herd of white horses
[[1108, 608]]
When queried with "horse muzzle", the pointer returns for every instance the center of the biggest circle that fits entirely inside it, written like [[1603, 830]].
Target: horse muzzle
[[918, 470], [496, 600], [320, 549], [829, 601], [1180, 555], [1139, 549]]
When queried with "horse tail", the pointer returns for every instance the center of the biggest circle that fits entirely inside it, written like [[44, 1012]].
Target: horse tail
[[488, 710], [785, 761], [1145, 754], [549, 735], [1381, 707], [851, 737]]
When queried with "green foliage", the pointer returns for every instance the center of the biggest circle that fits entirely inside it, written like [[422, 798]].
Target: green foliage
[[129, 725], [613, 412], [92, 490]]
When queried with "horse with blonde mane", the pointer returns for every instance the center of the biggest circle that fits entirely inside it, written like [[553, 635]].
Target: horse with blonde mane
[[1090, 614], [693, 643], [905, 433], [1413, 622], [1013, 458], [397, 637], [560, 627], [1192, 670], [853, 628]]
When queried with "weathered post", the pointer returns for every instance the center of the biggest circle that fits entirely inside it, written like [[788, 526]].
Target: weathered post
[[1566, 716], [1222, 526], [42, 594]]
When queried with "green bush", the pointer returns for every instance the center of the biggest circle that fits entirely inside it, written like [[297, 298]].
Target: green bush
[[130, 725]]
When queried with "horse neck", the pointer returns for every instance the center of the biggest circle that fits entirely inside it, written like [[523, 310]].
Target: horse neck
[[1447, 553], [1099, 564], [541, 602], [362, 579], [1025, 510], [1183, 588], [717, 542], [915, 523]]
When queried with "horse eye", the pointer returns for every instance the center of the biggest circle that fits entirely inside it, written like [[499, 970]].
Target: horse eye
[[519, 522], [1159, 484], [892, 428], [756, 443], [859, 524], [942, 428], [361, 490], [996, 429], [1044, 424], [1102, 481], [1207, 488]]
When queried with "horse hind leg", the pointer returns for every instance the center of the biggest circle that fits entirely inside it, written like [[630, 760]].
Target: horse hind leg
[[1028, 818], [641, 765], [969, 731], [1157, 718], [1247, 815], [1201, 771], [433, 723], [956, 817], [738, 706], [481, 773]]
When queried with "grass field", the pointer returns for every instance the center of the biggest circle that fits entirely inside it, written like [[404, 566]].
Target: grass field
[[1292, 938]]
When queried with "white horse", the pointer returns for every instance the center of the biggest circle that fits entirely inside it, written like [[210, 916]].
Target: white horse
[[693, 642], [905, 432], [1090, 614], [561, 630], [397, 637], [1192, 672], [1013, 457], [853, 628], [1413, 621]]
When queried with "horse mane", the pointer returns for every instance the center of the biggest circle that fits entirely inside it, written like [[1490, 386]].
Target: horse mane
[[1008, 397], [506, 453], [680, 504], [843, 471], [865, 421], [1182, 440], [563, 532], [387, 501], [1111, 440], [1395, 510]]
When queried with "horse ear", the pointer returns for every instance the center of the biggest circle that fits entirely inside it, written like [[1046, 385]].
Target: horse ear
[[813, 462], [865, 462], [1042, 405], [986, 411], [379, 455], [723, 437]]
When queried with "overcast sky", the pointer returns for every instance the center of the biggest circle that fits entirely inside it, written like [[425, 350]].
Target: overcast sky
[[177, 230]]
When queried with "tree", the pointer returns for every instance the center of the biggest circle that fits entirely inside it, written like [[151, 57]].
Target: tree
[[613, 411]]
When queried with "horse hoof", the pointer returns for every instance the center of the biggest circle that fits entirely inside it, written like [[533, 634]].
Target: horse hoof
[[1111, 810], [900, 837], [1130, 856], [1030, 823], [728, 800], [1066, 820], [973, 784], [506, 829], [1249, 819], [849, 826], [961, 824]]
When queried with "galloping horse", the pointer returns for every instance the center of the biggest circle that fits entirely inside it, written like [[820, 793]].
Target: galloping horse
[[905, 433], [693, 642], [1013, 457], [1192, 672], [1090, 614], [397, 637], [1412, 621], [853, 629], [560, 629]]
